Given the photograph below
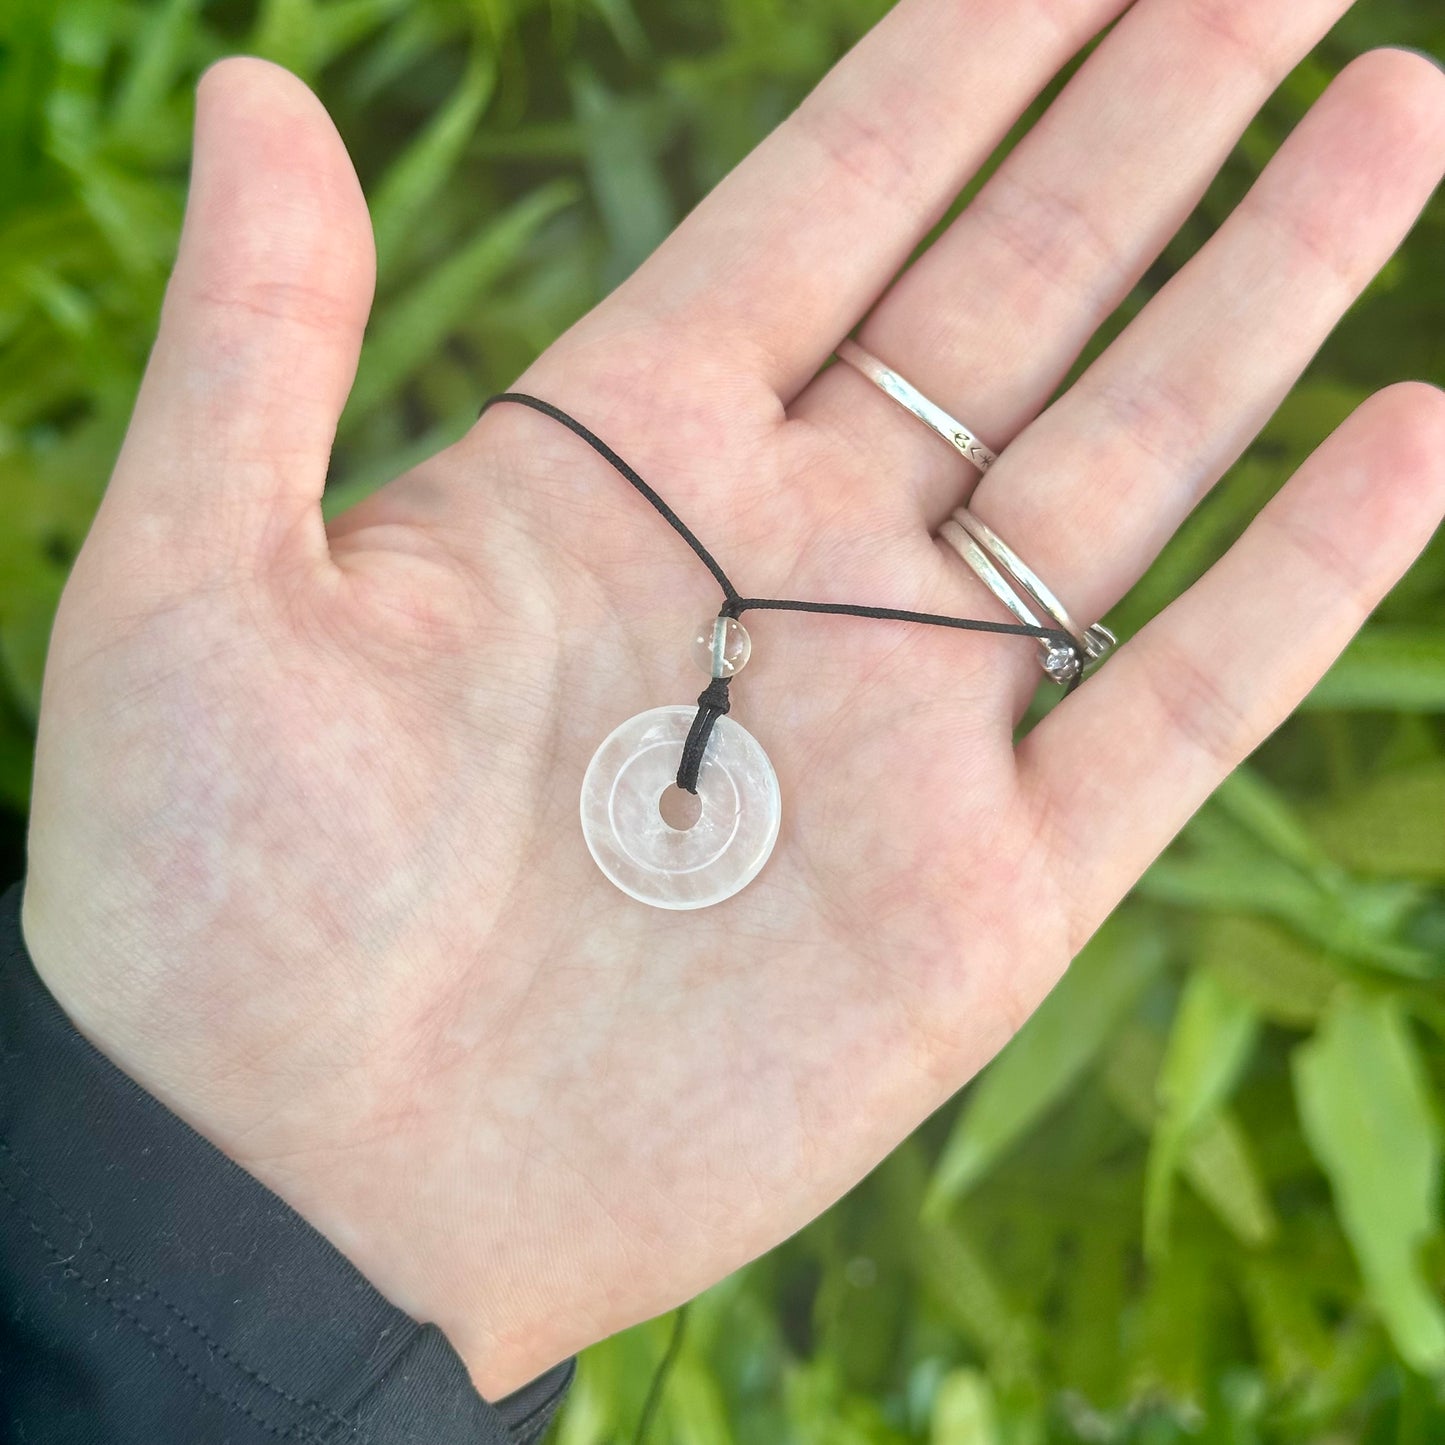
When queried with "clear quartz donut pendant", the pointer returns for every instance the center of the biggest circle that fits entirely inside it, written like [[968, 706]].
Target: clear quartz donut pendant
[[639, 850]]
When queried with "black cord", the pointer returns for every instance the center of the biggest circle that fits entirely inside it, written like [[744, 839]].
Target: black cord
[[659, 1377], [713, 701], [598, 445]]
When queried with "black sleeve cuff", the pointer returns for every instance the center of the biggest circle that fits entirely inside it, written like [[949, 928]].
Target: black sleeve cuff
[[152, 1291]]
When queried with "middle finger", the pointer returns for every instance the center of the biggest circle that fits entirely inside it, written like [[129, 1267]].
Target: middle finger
[[990, 319]]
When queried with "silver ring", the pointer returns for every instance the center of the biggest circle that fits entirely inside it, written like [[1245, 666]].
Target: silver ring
[[1093, 641], [912, 400], [1061, 663]]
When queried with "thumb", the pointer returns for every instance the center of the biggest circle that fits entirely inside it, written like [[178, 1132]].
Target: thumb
[[226, 456]]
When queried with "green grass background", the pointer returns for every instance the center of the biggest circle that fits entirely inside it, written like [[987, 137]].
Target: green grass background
[[1198, 1198]]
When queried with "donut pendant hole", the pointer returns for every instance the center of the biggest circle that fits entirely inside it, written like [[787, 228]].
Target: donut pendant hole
[[680, 809]]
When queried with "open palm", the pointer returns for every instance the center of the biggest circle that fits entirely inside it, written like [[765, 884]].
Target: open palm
[[305, 854]]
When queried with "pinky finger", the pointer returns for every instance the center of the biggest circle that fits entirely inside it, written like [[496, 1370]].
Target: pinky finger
[[1117, 770]]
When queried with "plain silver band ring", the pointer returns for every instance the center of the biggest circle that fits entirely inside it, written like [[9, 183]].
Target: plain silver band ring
[[1061, 663], [1093, 641], [908, 396], [988, 573]]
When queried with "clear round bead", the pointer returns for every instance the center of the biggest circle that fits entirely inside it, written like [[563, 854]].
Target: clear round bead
[[721, 646]]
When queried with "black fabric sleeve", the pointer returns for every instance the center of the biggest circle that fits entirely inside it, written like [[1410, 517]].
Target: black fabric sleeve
[[152, 1292]]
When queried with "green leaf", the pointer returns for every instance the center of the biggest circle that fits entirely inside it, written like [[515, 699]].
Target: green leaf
[[417, 176], [24, 640], [304, 35], [1214, 1032], [865, 1298], [622, 142], [151, 75], [1286, 979], [1395, 826], [629, 31], [1366, 1110], [1314, 409], [1098, 1285], [1286, 1321], [1217, 1161], [1387, 666], [375, 471], [415, 325], [964, 1412], [961, 1279], [17, 746], [1046, 1057], [1181, 1312], [1359, 919], [1263, 813], [693, 1403], [1220, 1167]]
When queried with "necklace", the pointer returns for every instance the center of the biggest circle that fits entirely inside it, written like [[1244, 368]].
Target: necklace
[[639, 825]]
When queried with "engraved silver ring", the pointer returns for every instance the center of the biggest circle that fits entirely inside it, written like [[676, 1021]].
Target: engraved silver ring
[[908, 396]]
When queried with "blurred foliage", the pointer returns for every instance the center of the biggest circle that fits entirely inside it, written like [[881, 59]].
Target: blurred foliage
[[1198, 1198]]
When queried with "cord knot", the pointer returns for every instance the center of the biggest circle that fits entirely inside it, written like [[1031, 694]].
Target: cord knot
[[712, 702]]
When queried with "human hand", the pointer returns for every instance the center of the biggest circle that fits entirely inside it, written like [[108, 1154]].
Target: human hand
[[305, 858]]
